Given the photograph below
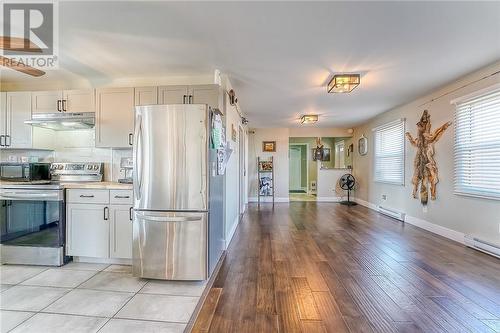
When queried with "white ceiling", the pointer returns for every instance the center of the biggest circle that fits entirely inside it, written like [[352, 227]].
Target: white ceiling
[[280, 55]]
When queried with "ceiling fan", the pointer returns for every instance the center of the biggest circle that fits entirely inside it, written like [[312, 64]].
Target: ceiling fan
[[11, 43]]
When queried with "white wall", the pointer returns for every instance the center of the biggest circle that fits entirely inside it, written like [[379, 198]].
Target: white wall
[[458, 213], [232, 174], [281, 167]]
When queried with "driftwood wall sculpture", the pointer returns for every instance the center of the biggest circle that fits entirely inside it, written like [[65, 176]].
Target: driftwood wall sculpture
[[425, 168]]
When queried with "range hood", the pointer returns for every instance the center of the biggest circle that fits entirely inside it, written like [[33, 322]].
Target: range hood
[[63, 121]]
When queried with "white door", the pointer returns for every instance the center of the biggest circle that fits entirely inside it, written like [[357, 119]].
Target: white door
[[87, 230], [18, 110], [339, 155], [114, 117], [295, 168], [120, 242], [47, 101], [173, 95], [78, 100], [146, 95]]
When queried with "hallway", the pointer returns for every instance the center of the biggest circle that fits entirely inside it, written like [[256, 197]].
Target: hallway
[[323, 267]]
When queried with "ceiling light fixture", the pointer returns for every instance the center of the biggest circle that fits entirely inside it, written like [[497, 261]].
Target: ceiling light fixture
[[309, 119], [343, 83]]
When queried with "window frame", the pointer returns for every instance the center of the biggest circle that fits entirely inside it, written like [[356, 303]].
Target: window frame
[[403, 153], [458, 187]]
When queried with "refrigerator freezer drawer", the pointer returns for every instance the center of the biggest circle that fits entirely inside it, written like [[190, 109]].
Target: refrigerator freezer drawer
[[170, 245]]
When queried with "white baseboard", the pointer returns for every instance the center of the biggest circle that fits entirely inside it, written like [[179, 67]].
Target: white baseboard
[[115, 261], [269, 199], [232, 231], [328, 199], [365, 203], [423, 224], [435, 228]]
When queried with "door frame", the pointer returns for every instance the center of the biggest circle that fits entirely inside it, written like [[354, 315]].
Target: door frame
[[242, 170], [306, 145]]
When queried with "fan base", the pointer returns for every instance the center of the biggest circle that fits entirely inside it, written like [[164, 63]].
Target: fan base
[[348, 203]]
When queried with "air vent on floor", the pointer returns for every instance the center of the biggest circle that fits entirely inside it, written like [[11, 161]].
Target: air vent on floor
[[482, 245], [392, 213]]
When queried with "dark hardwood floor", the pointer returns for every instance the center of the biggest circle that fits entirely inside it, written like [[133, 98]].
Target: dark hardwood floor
[[324, 267]]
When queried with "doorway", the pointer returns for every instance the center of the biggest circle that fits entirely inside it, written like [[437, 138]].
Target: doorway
[[339, 154], [298, 172], [242, 170]]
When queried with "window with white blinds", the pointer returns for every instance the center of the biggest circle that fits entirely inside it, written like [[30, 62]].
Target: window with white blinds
[[477, 145], [389, 152]]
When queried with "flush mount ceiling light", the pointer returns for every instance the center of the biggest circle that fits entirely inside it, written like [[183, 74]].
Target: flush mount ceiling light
[[309, 119], [343, 83]]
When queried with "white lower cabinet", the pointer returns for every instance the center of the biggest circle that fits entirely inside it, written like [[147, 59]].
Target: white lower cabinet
[[87, 230], [120, 232], [97, 229]]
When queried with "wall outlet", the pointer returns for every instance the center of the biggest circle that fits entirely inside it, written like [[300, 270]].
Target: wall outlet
[[384, 196]]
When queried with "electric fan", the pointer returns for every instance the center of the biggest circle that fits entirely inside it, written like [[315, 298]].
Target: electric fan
[[346, 182]]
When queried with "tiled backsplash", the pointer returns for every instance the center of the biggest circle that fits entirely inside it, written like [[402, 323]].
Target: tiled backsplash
[[75, 146]]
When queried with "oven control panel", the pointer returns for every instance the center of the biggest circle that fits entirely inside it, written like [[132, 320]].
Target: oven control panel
[[84, 171]]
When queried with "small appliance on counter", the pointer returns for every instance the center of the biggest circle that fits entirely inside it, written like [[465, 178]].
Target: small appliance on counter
[[24, 171], [32, 212], [127, 167]]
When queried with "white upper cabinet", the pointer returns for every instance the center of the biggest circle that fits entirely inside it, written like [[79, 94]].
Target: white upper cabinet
[[205, 94], [173, 95], [46, 101], [146, 95], [18, 110], [78, 100], [114, 117]]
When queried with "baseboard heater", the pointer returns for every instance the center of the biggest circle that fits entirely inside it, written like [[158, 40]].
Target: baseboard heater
[[482, 245], [392, 213]]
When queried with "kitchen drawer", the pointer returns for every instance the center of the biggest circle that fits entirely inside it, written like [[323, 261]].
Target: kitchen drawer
[[87, 196], [120, 197]]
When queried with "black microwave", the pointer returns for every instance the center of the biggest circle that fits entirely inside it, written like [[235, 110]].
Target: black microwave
[[24, 172]]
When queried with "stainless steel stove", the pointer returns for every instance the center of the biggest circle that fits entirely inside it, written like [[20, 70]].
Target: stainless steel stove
[[33, 217]]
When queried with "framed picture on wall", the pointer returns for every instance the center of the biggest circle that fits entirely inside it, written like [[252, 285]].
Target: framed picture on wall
[[269, 146], [363, 145]]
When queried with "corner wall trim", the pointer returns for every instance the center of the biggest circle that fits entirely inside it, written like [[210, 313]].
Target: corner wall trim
[[423, 224]]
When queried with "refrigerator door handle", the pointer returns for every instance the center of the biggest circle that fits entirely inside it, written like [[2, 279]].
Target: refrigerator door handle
[[168, 218], [137, 157]]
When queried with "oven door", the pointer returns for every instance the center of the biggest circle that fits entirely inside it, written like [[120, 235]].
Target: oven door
[[32, 226]]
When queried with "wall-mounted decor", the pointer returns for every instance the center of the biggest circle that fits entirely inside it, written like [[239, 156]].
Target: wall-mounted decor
[[350, 149], [233, 133], [269, 146], [232, 97], [321, 155], [362, 145], [426, 171]]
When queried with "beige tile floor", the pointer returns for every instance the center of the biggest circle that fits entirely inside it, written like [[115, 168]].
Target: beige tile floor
[[81, 297], [301, 197]]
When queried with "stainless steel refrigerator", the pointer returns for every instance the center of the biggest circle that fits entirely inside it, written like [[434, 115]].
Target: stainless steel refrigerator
[[178, 196]]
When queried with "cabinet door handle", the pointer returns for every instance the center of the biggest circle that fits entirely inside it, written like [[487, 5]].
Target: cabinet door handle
[[190, 99], [184, 99], [130, 213], [122, 196], [59, 102], [7, 143], [64, 101], [2, 140], [86, 196], [106, 213], [130, 139]]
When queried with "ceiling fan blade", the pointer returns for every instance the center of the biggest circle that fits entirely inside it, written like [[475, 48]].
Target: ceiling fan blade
[[20, 67], [19, 44]]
